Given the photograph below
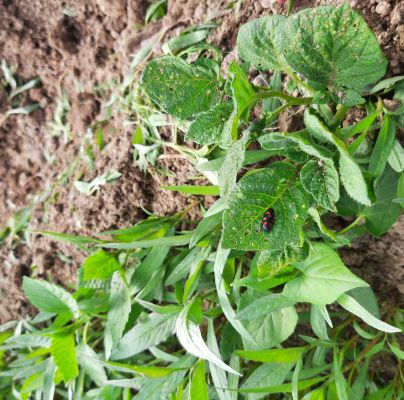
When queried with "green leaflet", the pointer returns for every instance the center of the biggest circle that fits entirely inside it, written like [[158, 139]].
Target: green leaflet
[[384, 146], [332, 47], [100, 265], [320, 179], [208, 126], [148, 332], [286, 355], [255, 42], [50, 298], [396, 157], [63, 351], [324, 277], [384, 212], [199, 389], [274, 187], [119, 309], [351, 175], [182, 90], [270, 329]]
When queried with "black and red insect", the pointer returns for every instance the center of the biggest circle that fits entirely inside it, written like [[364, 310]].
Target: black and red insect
[[268, 220]]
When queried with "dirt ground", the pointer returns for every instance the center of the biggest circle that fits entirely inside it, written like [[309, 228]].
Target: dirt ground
[[76, 46]]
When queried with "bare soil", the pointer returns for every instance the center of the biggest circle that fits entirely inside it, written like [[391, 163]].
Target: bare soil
[[90, 46]]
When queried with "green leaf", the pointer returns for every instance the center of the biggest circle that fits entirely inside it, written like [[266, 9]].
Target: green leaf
[[294, 141], [118, 314], [274, 187], [288, 355], [148, 332], [198, 388], [351, 174], [340, 382], [265, 305], [219, 377], [194, 189], [332, 47], [63, 351], [266, 375], [355, 308], [180, 89], [227, 174], [190, 337], [50, 298], [100, 265], [318, 322], [285, 387], [255, 42], [208, 126], [204, 228], [324, 277], [268, 330], [357, 391], [383, 147], [396, 157], [397, 351], [320, 179], [384, 212], [145, 370], [65, 237], [220, 262], [88, 359], [317, 394]]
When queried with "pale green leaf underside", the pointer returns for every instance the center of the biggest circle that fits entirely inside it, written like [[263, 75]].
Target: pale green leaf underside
[[180, 89], [274, 187], [324, 277], [255, 42], [208, 126], [332, 47], [50, 298], [320, 179]]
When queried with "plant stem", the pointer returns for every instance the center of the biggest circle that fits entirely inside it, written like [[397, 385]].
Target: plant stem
[[265, 93], [350, 226], [339, 116]]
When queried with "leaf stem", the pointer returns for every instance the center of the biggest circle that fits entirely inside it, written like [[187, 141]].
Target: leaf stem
[[265, 93], [350, 226]]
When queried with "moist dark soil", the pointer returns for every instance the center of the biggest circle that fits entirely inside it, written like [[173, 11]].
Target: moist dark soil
[[75, 47]]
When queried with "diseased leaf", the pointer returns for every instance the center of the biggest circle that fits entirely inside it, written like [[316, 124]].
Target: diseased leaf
[[118, 314], [255, 42], [100, 265], [324, 277], [49, 298], [208, 125], [180, 89], [63, 351], [274, 187], [350, 172], [320, 179], [227, 174], [332, 47], [148, 332]]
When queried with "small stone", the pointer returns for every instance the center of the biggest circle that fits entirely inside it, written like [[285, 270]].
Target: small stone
[[383, 8]]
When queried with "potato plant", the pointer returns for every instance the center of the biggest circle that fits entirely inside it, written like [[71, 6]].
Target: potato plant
[[255, 302]]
